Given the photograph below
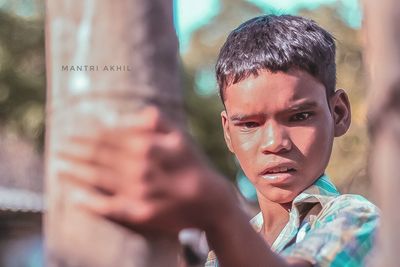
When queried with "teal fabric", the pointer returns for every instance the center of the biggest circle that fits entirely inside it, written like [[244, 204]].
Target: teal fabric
[[337, 230]]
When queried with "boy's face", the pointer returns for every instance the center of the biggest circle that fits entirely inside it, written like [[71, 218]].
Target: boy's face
[[281, 127]]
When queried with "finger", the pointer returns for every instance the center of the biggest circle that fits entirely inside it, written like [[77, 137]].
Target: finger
[[112, 208], [150, 145], [174, 149], [88, 175], [107, 148], [149, 119], [92, 201], [146, 124], [118, 146], [90, 149]]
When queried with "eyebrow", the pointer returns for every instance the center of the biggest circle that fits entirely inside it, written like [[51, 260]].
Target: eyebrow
[[243, 117], [294, 108], [302, 106]]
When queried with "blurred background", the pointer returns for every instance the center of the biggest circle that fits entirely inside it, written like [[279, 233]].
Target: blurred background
[[202, 27], [22, 99]]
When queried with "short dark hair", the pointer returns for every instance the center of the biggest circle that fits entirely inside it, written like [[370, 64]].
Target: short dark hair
[[277, 43]]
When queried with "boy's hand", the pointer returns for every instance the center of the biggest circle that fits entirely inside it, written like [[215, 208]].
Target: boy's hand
[[147, 176]]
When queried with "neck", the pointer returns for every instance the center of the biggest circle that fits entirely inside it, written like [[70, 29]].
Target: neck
[[275, 215]]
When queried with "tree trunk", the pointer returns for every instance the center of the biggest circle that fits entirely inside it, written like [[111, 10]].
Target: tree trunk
[[383, 57], [105, 60]]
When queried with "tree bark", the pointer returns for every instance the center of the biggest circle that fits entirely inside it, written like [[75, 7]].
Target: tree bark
[[136, 42], [383, 57]]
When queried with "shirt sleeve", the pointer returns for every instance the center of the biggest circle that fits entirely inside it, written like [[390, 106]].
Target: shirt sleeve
[[342, 234]]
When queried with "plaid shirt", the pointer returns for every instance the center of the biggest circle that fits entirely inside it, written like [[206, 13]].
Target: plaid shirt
[[337, 230]]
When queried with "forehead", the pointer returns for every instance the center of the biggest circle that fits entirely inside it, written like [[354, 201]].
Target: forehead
[[274, 91]]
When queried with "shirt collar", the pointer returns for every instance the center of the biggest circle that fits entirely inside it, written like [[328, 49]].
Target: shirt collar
[[321, 191]]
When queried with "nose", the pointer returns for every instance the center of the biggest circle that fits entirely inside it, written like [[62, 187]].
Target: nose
[[276, 139]]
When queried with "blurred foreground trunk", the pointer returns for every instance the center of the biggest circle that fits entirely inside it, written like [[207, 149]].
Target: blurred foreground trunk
[[383, 58], [105, 60]]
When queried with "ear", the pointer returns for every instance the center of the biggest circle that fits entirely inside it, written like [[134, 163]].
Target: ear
[[225, 126], [341, 112]]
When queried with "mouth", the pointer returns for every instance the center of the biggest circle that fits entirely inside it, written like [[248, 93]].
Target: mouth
[[279, 170], [280, 173]]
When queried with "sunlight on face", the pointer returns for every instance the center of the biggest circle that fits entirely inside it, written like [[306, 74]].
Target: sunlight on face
[[280, 128]]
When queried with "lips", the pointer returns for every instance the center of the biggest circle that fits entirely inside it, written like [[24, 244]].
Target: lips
[[278, 168], [278, 172]]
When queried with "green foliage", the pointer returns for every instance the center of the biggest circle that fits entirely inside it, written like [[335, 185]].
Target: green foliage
[[205, 126], [22, 76]]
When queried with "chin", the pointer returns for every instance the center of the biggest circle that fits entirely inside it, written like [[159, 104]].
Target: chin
[[279, 195]]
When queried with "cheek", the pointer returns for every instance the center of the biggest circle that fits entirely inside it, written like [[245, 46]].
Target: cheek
[[245, 143], [245, 146], [313, 142]]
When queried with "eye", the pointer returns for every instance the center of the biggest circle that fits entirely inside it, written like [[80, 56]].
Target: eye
[[302, 116], [248, 125]]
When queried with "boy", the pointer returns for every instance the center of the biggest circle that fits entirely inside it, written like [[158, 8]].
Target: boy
[[277, 81]]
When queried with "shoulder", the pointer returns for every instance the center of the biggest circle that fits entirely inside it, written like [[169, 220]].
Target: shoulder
[[349, 206], [341, 234], [353, 200]]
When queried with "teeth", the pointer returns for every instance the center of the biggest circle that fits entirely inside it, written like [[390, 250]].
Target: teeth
[[277, 170]]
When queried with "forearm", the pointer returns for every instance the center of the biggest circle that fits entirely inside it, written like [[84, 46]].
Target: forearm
[[237, 244]]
